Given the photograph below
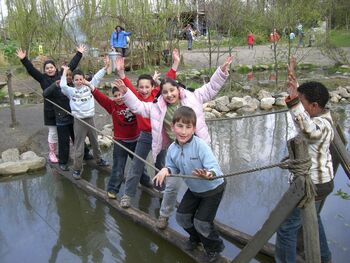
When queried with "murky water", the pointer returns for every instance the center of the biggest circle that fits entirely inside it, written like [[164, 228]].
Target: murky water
[[44, 218]]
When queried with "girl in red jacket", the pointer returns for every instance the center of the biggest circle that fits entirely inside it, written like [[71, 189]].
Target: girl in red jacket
[[250, 40]]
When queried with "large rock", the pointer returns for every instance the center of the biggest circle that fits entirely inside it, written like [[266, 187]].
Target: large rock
[[104, 142], [23, 166], [267, 103], [207, 109], [264, 94], [281, 102], [216, 113], [231, 114], [236, 103], [10, 155], [246, 109], [209, 104], [251, 102], [28, 156], [209, 115], [221, 104], [10, 168], [343, 92]]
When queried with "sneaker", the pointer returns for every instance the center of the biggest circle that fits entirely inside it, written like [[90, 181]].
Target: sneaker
[[162, 222], [76, 174], [125, 201], [191, 245], [102, 162], [88, 156], [64, 167], [111, 195]]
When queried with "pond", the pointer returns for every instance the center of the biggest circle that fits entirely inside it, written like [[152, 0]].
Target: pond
[[44, 218]]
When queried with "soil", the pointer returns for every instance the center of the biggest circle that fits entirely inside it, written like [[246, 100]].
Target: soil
[[30, 133]]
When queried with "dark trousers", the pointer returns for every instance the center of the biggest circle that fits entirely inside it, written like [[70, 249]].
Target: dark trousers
[[196, 215], [65, 132]]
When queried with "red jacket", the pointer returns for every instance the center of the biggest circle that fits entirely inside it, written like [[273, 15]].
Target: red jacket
[[144, 124], [250, 39], [124, 121]]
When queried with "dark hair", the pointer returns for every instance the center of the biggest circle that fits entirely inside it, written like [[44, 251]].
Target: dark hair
[[114, 89], [170, 81], [186, 115], [78, 72], [314, 91], [148, 77], [49, 62]]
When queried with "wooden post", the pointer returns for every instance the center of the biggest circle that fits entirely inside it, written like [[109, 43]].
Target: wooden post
[[12, 104], [297, 150]]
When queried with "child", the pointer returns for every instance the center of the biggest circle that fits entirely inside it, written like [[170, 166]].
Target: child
[[64, 121], [307, 104], [274, 38], [50, 75], [147, 92], [250, 40], [83, 107], [126, 133], [191, 155], [161, 113]]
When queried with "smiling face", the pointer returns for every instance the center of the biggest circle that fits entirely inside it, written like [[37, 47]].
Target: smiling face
[[78, 80], [171, 94], [183, 131], [118, 97], [69, 77], [50, 69], [145, 88]]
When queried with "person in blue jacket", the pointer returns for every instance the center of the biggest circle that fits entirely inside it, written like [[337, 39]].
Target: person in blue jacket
[[119, 40]]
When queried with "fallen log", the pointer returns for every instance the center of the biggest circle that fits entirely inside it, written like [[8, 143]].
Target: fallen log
[[138, 217]]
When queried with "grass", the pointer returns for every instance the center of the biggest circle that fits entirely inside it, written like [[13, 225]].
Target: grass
[[340, 38]]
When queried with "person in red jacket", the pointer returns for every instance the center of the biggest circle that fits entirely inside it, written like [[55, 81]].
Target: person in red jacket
[[147, 90], [126, 133], [250, 40], [274, 37]]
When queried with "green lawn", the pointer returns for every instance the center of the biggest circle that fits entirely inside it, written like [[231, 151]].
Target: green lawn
[[340, 38]]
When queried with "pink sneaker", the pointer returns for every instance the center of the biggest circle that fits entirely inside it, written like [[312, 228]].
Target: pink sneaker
[[52, 155]]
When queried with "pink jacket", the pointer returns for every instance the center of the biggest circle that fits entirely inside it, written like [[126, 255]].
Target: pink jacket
[[156, 111]]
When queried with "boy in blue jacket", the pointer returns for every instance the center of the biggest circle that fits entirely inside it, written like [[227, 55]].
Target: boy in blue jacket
[[191, 155]]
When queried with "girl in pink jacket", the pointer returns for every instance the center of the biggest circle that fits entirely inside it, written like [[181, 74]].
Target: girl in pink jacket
[[161, 113]]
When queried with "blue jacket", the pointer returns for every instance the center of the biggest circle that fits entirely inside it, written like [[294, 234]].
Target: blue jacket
[[119, 42], [194, 154]]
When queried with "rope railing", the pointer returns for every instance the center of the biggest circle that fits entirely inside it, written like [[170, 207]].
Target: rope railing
[[282, 165]]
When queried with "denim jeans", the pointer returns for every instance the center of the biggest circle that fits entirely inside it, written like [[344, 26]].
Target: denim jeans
[[120, 157], [287, 234], [172, 186], [143, 147]]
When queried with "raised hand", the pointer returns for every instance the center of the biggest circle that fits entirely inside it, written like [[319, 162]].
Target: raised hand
[[81, 48], [176, 55], [119, 84], [202, 173], [119, 66], [224, 67], [292, 84], [65, 68], [106, 61], [156, 76], [21, 54]]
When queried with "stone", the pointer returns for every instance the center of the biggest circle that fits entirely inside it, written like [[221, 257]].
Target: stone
[[231, 114], [10, 155], [18, 94], [35, 164], [281, 94], [28, 156], [334, 99], [251, 102], [280, 101], [210, 104], [236, 103], [216, 113], [345, 67], [264, 94], [207, 109], [246, 109], [343, 92], [221, 102], [347, 88], [267, 103], [12, 168], [104, 142], [209, 115], [246, 87]]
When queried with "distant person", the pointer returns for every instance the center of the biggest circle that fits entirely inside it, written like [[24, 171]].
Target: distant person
[[190, 155], [291, 36], [250, 40], [274, 38], [50, 75], [307, 105], [312, 37], [119, 40], [189, 36], [300, 34]]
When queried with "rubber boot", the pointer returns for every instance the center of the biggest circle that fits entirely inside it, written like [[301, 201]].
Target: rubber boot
[[52, 154]]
